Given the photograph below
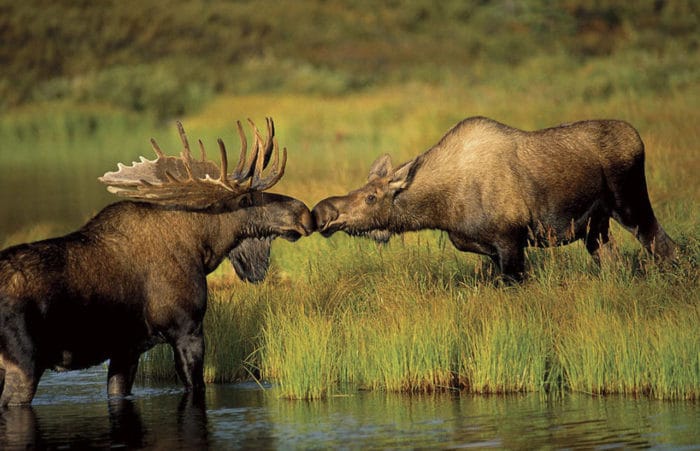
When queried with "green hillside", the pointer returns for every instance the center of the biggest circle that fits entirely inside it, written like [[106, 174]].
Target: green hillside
[[169, 57]]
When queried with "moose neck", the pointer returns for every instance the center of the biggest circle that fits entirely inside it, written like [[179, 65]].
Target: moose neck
[[205, 237], [202, 239], [219, 233], [425, 204]]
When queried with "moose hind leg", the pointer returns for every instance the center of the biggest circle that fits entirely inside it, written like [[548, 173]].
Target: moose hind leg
[[189, 360], [649, 232], [633, 210], [597, 236], [511, 260]]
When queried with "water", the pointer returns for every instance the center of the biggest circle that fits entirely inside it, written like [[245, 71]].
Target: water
[[49, 164], [71, 411], [56, 197]]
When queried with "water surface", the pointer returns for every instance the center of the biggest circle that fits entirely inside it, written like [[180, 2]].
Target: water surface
[[71, 411]]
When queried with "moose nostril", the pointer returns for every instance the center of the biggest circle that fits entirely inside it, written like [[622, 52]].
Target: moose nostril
[[324, 213], [319, 220], [309, 223]]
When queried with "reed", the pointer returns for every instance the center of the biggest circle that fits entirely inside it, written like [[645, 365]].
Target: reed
[[297, 351], [508, 350], [638, 349]]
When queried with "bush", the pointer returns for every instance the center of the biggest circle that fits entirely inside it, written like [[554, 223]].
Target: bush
[[159, 89]]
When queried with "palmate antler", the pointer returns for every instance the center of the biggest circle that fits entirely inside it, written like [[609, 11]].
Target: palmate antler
[[187, 182]]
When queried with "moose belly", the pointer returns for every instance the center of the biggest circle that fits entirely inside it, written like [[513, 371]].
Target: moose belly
[[89, 346], [562, 228], [70, 359]]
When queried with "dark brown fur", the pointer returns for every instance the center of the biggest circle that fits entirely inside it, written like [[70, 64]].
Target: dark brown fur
[[495, 189], [251, 259], [133, 276]]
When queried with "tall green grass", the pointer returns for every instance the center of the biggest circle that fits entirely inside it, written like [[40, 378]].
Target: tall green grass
[[629, 329]]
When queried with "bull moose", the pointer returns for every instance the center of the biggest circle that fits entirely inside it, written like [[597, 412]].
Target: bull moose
[[495, 190], [135, 274]]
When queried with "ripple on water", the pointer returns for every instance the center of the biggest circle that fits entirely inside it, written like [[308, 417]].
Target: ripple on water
[[71, 410]]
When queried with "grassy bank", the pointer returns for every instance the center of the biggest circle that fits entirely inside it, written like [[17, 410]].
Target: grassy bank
[[417, 316]]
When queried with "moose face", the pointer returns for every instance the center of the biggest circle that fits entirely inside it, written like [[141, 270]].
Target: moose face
[[267, 215], [366, 211]]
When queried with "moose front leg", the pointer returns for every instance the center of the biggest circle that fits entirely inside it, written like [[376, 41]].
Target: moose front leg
[[511, 259], [121, 375], [19, 369], [189, 359], [20, 382]]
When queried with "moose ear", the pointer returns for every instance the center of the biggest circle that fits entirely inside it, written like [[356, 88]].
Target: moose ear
[[403, 176], [380, 168]]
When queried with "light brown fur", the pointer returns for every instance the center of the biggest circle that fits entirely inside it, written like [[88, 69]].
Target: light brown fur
[[496, 189]]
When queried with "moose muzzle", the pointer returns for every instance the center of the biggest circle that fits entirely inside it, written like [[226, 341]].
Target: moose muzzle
[[324, 214]]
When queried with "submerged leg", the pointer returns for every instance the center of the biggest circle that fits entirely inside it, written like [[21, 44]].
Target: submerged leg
[[189, 359], [21, 381], [121, 374], [20, 372]]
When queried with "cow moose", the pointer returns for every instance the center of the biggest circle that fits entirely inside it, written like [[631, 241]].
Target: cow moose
[[135, 274], [495, 190]]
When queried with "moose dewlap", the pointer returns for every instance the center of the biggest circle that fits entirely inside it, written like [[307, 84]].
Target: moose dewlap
[[496, 189]]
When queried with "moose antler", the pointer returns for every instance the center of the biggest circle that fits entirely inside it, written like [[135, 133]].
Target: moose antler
[[187, 182]]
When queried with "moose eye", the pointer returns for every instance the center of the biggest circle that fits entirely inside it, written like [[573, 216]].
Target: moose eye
[[245, 202], [370, 199]]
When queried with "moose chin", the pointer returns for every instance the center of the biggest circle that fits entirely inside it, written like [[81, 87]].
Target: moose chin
[[135, 274], [495, 190]]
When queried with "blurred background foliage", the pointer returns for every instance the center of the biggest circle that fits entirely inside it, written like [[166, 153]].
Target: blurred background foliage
[[169, 57]]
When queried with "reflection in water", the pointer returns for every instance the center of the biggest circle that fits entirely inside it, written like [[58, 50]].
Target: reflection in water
[[125, 425], [191, 431], [71, 411], [122, 426], [514, 422], [18, 429]]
